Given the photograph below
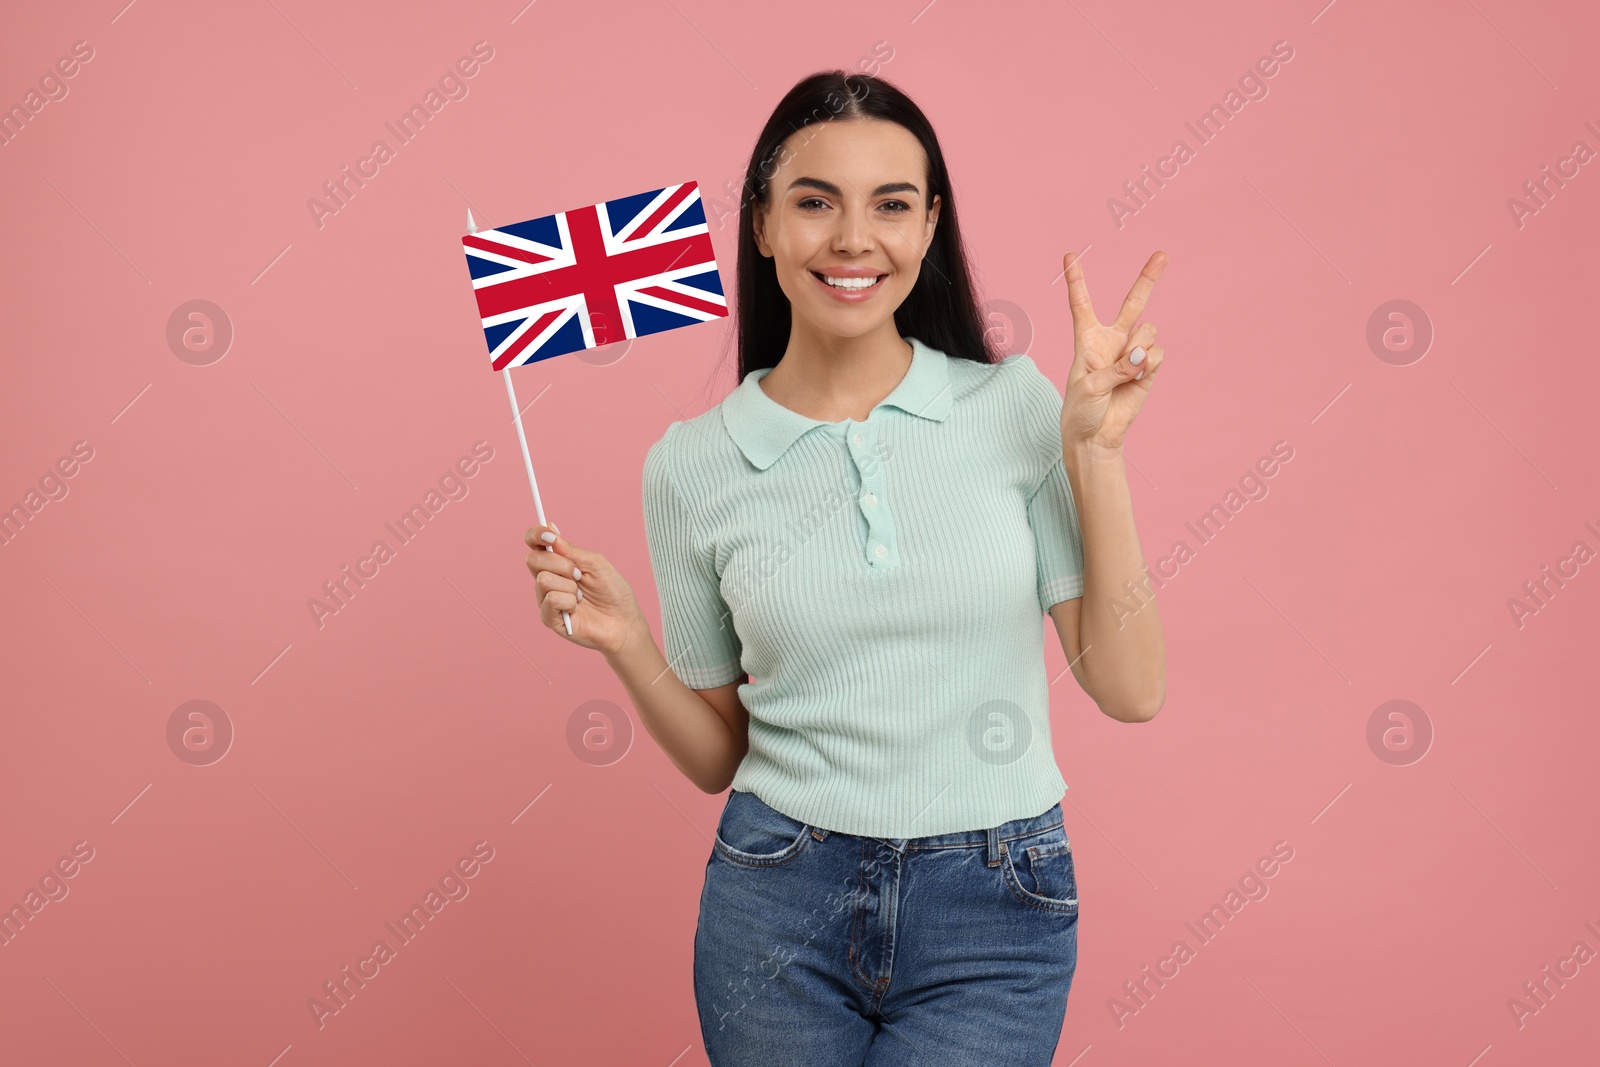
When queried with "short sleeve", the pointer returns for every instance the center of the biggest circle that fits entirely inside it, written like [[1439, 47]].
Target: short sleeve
[[702, 647], [1052, 512]]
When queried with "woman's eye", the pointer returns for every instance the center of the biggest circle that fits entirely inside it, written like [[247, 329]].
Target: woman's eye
[[896, 207]]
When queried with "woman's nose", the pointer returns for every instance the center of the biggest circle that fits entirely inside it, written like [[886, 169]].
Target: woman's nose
[[852, 234]]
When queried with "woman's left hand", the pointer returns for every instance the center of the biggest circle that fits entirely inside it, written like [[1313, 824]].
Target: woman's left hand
[[1105, 388]]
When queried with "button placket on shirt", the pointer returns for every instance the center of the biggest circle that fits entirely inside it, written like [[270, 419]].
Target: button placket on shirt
[[861, 440]]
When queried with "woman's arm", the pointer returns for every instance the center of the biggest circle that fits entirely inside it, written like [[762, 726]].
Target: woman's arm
[[1118, 657], [705, 732]]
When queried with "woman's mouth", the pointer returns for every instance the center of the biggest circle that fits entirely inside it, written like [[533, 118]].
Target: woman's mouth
[[850, 290]]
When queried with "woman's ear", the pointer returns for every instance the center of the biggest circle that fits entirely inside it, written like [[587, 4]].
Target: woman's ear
[[758, 224], [933, 223]]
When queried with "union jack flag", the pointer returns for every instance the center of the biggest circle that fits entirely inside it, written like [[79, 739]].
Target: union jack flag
[[590, 276]]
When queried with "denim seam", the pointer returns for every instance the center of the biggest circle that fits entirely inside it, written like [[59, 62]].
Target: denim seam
[[984, 843], [771, 859], [893, 920], [1033, 900], [1039, 852], [858, 923]]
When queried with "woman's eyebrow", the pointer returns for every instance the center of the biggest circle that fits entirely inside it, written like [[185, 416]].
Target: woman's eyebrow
[[833, 190]]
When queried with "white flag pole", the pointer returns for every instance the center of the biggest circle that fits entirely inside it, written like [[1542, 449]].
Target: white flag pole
[[522, 438]]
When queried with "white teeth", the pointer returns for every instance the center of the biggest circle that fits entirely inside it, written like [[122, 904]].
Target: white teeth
[[850, 283]]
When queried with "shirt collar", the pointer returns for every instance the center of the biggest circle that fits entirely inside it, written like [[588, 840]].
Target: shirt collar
[[764, 429]]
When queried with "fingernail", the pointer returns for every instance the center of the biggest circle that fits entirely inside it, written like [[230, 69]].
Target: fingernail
[[1137, 357], [548, 538], [1136, 377], [580, 594], [576, 574]]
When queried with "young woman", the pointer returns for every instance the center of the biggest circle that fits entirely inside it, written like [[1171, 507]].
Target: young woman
[[853, 552]]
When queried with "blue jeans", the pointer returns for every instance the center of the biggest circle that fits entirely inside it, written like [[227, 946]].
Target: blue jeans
[[824, 949]]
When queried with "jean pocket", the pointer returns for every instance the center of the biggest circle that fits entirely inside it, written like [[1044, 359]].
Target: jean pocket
[[1040, 872], [753, 834]]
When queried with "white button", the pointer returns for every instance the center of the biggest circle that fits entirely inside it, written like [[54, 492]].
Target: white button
[[858, 440], [869, 500], [880, 552]]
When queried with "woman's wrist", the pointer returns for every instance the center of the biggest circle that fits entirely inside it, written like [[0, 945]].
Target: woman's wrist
[[1089, 455], [636, 637]]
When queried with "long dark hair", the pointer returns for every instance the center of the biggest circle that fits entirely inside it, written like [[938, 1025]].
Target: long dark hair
[[940, 310]]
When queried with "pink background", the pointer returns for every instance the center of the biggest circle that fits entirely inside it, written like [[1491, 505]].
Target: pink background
[[434, 712]]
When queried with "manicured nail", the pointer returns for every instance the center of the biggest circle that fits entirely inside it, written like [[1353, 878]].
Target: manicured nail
[[580, 594], [1136, 377], [548, 538], [1137, 356], [576, 574]]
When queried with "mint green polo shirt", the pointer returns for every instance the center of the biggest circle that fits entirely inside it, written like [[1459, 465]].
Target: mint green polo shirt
[[880, 586]]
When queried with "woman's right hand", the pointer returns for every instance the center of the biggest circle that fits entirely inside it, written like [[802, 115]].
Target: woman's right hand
[[599, 601]]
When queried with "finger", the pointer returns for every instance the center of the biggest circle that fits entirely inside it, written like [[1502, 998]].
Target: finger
[[548, 536], [1143, 336], [1078, 294], [1132, 360], [541, 562], [551, 582], [1108, 378], [1151, 364], [1133, 306], [583, 557], [542, 535], [551, 607]]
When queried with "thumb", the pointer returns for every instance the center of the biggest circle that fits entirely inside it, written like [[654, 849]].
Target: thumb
[[584, 558], [1130, 366]]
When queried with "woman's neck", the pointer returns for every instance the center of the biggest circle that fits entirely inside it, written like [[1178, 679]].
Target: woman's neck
[[832, 378]]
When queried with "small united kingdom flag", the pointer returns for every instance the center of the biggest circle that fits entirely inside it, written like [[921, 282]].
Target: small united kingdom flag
[[590, 276]]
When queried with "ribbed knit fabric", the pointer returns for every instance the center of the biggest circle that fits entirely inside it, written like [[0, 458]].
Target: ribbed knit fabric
[[882, 583]]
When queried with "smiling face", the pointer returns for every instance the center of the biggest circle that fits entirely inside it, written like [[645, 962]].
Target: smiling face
[[848, 203]]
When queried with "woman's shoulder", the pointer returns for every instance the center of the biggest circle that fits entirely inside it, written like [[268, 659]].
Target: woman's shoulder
[[1014, 400], [1016, 378], [693, 443]]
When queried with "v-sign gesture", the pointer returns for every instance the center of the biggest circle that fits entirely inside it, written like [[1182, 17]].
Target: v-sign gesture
[[1113, 366]]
